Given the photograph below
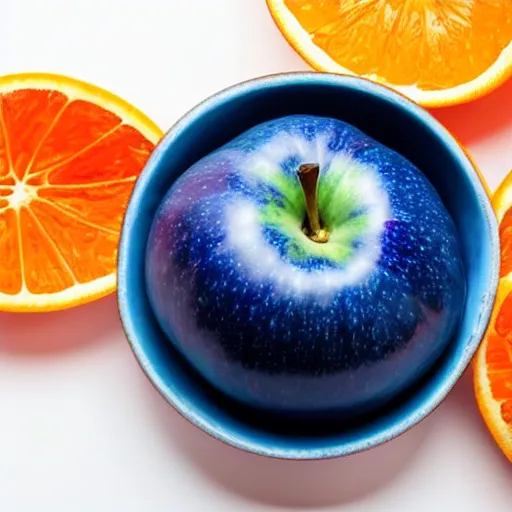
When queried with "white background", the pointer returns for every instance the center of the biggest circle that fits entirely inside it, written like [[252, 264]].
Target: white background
[[81, 429]]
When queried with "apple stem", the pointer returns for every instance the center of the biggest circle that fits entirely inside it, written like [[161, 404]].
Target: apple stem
[[308, 177]]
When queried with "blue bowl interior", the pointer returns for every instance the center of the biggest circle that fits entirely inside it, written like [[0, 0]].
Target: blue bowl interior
[[387, 117]]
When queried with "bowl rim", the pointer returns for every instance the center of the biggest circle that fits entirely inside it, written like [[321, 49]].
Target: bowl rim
[[421, 411]]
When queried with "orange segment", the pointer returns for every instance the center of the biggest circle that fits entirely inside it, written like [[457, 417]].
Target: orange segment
[[70, 154], [44, 270], [506, 243], [493, 362], [97, 244], [433, 51], [128, 150], [10, 263], [102, 204], [27, 115], [7, 181], [503, 322], [4, 157], [80, 125]]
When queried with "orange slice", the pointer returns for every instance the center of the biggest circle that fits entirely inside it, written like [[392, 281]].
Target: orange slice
[[493, 362], [436, 52], [70, 153]]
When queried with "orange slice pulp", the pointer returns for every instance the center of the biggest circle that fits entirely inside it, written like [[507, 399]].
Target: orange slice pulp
[[493, 361], [436, 52], [70, 153]]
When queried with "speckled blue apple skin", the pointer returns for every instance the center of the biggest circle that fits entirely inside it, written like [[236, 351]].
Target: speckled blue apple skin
[[343, 352], [388, 117]]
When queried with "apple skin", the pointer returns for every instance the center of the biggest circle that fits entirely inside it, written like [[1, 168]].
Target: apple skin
[[280, 322]]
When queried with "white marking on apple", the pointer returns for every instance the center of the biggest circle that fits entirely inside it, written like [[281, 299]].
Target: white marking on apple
[[261, 259], [265, 162]]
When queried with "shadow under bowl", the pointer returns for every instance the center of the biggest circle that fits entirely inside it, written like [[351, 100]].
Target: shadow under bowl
[[397, 123]]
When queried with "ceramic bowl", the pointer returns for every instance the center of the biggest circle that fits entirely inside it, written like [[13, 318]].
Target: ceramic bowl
[[394, 121]]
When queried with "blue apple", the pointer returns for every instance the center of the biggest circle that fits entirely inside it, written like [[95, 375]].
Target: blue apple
[[306, 269]]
